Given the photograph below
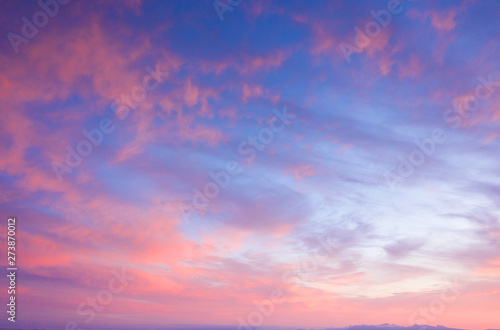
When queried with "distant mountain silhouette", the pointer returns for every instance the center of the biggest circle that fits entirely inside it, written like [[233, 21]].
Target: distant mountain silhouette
[[392, 327]]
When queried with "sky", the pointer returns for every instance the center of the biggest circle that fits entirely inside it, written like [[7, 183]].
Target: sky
[[251, 163]]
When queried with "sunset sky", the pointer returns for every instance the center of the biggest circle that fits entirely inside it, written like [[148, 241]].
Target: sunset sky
[[342, 155]]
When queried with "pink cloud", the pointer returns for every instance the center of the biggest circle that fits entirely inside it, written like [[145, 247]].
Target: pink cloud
[[250, 91], [413, 68], [302, 171]]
